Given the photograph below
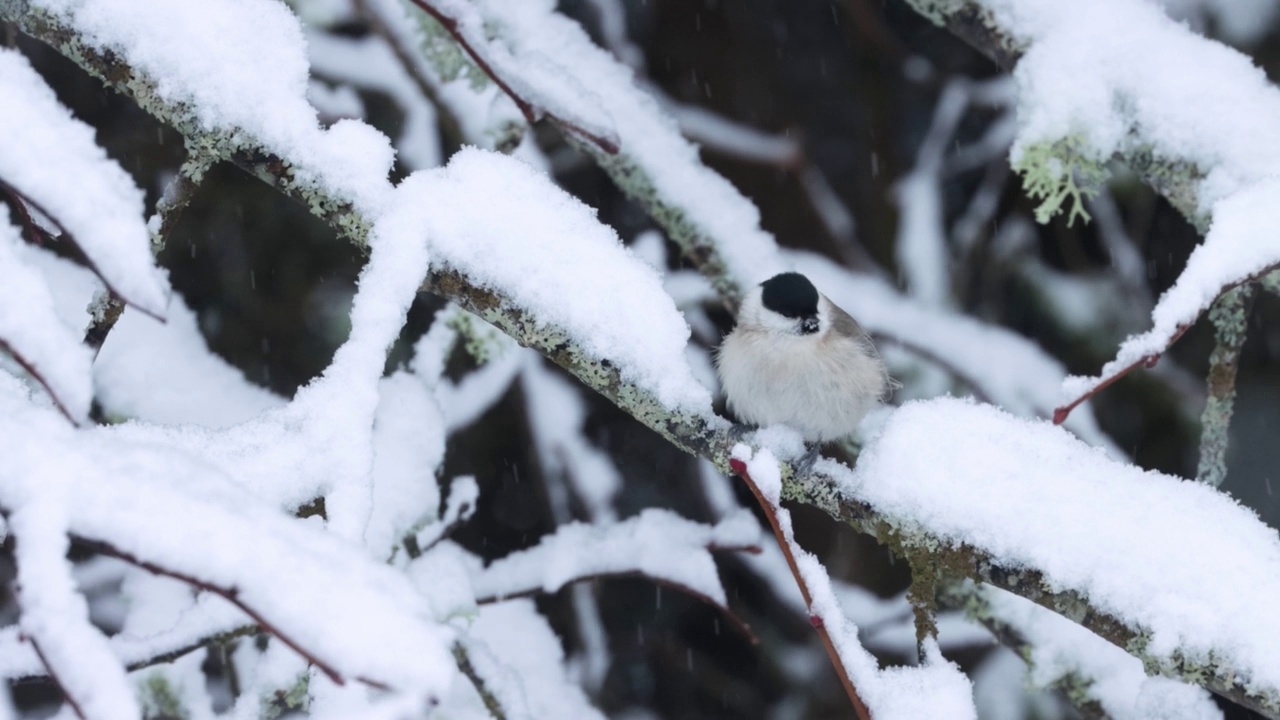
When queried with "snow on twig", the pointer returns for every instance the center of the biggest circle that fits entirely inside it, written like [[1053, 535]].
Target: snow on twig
[[182, 519], [653, 163], [1215, 168], [1098, 678], [937, 688], [656, 544], [41, 145], [54, 617], [32, 333]]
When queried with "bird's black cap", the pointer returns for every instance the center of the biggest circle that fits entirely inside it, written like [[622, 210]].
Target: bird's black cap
[[790, 295]]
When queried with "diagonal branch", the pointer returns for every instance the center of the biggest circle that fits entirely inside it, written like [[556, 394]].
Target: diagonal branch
[[815, 618], [231, 594], [79, 255], [1177, 180], [531, 110]]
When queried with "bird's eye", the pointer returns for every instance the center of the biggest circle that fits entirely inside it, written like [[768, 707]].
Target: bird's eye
[[809, 325]]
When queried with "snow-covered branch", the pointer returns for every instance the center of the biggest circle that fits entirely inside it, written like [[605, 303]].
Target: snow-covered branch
[[905, 490], [1215, 168]]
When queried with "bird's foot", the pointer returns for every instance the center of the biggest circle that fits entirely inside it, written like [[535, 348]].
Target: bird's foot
[[805, 464], [737, 432]]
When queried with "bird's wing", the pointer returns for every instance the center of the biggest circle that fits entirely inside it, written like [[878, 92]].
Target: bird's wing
[[844, 325]]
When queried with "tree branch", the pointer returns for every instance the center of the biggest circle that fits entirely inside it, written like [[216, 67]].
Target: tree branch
[[815, 619], [1229, 314], [531, 111], [482, 688], [704, 435], [1177, 180]]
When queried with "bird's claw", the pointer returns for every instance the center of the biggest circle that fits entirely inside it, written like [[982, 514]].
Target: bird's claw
[[805, 464], [738, 432]]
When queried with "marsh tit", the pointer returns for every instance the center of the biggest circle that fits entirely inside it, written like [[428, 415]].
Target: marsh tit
[[796, 359]]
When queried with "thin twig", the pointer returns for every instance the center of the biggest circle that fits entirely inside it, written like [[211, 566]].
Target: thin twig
[[784, 543], [1061, 413], [31, 370], [35, 235], [531, 112], [482, 688], [450, 127], [80, 256], [75, 706], [231, 594]]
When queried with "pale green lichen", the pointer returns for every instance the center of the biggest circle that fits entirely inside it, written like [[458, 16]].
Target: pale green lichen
[[447, 58], [482, 341], [935, 11], [1057, 172], [295, 698], [1229, 318], [159, 699]]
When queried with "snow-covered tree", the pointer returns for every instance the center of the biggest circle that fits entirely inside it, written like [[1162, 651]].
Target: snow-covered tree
[[187, 543]]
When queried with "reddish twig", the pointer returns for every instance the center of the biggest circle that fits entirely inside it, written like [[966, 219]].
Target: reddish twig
[[1061, 413], [232, 594], [531, 112], [75, 706], [80, 256], [35, 235], [815, 619], [34, 373]]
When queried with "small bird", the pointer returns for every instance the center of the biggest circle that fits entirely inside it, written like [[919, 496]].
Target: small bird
[[796, 359]]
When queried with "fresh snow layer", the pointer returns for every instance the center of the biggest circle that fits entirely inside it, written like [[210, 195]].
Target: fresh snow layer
[[369, 63], [52, 159], [355, 615], [240, 67], [55, 618], [1241, 242], [31, 328], [1173, 558], [528, 677], [656, 543], [936, 688], [507, 228], [550, 61], [1155, 86], [1060, 648], [164, 373]]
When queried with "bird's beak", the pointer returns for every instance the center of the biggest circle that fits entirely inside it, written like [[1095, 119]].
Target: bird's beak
[[809, 325]]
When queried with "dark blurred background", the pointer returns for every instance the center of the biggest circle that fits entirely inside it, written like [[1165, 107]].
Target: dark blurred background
[[855, 84]]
